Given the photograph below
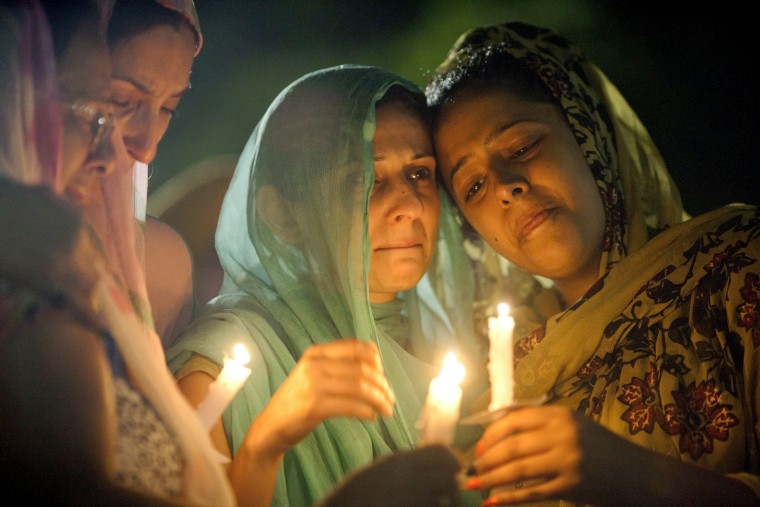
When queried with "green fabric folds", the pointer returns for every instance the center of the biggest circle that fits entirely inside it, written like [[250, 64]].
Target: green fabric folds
[[297, 276]]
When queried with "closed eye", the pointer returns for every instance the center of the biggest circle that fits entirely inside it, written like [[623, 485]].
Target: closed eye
[[122, 107], [525, 150], [168, 111]]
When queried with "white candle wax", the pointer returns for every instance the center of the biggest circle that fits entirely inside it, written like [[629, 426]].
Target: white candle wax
[[225, 387], [140, 190], [441, 411], [500, 331]]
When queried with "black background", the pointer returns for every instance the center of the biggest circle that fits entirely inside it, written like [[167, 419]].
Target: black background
[[689, 73]]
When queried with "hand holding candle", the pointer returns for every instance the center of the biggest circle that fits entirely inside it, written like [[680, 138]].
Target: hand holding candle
[[500, 367], [441, 411], [225, 387]]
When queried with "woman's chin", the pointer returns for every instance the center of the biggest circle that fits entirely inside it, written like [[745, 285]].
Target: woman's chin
[[402, 278]]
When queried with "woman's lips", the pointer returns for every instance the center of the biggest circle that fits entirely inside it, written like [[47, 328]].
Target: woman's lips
[[398, 245], [530, 221]]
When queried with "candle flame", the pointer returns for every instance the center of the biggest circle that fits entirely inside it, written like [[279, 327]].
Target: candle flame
[[452, 371], [503, 309], [240, 353]]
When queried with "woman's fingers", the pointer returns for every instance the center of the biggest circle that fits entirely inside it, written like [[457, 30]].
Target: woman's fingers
[[524, 490], [357, 363], [529, 454], [348, 381], [337, 379], [347, 349], [524, 419], [535, 462], [323, 378], [528, 432], [346, 406]]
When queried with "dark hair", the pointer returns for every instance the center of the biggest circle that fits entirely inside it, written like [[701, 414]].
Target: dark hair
[[133, 17], [483, 68], [413, 102], [67, 18]]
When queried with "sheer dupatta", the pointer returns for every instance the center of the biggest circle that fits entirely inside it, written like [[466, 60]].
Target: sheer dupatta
[[30, 115], [293, 242]]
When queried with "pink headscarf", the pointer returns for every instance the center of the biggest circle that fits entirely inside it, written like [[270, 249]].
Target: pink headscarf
[[187, 9], [31, 134], [31, 143], [30, 115]]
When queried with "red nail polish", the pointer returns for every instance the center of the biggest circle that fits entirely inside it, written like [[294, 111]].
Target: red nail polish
[[472, 483], [490, 502], [479, 449]]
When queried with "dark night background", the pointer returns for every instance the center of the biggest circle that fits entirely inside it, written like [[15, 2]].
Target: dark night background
[[688, 73]]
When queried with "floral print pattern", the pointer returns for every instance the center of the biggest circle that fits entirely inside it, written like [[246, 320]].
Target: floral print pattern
[[664, 349], [698, 417], [748, 310], [656, 324]]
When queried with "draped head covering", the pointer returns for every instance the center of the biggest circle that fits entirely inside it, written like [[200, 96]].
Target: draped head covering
[[638, 194], [30, 112], [31, 144], [30, 153], [293, 241], [187, 9], [313, 144], [664, 348]]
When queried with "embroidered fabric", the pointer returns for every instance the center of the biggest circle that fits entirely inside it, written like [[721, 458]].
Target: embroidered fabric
[[147, 455]]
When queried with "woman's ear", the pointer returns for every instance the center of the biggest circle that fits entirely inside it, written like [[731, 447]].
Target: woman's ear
[[277, 214]]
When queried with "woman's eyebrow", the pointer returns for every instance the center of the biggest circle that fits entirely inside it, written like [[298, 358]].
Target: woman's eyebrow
[[143, 88], [416, 156], [492, 135]]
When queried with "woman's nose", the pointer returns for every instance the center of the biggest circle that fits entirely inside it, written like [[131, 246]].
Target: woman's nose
[[511, 187], [142, 132], [407, 203]]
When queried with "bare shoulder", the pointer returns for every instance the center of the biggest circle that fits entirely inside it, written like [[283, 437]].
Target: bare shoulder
[[162, 239], [169, 278]]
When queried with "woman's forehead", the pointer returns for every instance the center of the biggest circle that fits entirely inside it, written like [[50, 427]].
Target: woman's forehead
[[84, 70]]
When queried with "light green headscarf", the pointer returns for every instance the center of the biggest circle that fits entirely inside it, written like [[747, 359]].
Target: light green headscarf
[[297, 275]]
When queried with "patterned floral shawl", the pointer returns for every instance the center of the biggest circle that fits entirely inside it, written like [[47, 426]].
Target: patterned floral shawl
[[665, 348]]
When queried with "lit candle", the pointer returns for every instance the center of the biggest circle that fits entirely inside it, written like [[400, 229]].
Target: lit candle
[[225, 387], [441, 411], [500, 357]]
